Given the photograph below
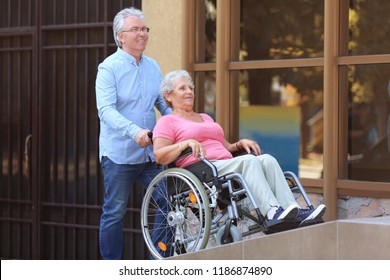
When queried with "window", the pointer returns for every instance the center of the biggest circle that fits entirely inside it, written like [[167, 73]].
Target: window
[[287, 30], [369, 123], [366, 91], [275, 54]]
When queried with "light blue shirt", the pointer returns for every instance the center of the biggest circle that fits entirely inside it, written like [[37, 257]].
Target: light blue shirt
[[126, 95]]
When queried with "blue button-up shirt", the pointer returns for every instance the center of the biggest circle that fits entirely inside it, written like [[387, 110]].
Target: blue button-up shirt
[[126, 94]]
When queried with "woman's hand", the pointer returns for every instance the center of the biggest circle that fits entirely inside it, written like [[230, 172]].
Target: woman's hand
[[197, 147], [249, 146]]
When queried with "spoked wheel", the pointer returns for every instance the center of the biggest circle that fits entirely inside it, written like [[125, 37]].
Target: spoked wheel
[[233, 235], [175, 214]]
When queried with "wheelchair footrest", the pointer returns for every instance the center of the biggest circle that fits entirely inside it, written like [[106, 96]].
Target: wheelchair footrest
[[311, 222], [253, 229], [273, 226]]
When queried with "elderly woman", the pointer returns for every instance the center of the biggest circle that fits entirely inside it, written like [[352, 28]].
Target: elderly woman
[[185, 128]]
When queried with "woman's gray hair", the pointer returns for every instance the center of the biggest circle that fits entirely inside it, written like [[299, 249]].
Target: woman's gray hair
[[168, 83], [119, 21]]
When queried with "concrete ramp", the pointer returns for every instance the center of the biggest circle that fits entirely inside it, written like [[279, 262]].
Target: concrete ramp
[[357, 239]]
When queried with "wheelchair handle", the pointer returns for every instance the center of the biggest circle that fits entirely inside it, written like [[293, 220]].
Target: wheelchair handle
[[150, 135]]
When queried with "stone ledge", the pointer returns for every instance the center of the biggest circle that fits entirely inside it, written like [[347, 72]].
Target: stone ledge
[[366, 238]]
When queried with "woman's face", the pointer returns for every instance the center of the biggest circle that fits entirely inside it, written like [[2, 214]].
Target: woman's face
[[182, 96]]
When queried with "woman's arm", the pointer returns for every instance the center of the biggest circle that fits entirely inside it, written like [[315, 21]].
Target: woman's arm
[[165, 151], [247, 144]]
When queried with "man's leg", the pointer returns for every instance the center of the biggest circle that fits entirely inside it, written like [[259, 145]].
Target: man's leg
[[118, 180]]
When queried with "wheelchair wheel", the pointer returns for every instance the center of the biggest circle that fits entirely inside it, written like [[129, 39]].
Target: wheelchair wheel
[[175, 214], [234, 235]]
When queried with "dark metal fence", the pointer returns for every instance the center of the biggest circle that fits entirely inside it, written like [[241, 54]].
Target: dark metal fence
[[50, 179]]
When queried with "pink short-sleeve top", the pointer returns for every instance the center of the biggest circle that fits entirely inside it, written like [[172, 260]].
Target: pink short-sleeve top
[[208, 132]]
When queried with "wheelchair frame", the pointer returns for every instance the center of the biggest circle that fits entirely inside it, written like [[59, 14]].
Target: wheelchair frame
[[182, 207]]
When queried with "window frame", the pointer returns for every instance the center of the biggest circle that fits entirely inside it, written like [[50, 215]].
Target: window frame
[[335, 60]]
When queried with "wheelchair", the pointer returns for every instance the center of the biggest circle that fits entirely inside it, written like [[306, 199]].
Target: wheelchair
[[184, 207]]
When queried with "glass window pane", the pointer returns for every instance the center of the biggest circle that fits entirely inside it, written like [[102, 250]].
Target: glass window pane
[[281, 29], [364, 18], [206, 31], [369, 123], [282, 110], [205, 92]]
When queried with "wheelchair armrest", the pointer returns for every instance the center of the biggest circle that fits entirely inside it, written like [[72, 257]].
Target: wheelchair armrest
[[203, 169], [185, 152], [241, 152]]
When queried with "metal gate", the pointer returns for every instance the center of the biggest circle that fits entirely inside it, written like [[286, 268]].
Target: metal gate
[[50, 179]]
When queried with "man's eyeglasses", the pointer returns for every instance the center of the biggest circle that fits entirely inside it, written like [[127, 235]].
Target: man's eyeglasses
[[137, 30]]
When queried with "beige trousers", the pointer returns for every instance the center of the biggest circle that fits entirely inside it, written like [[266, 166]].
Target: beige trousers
[[264, 177]]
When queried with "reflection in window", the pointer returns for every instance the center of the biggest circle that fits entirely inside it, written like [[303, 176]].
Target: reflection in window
[[281, 29], [206, 30], [205, 92], [288, 122], [364, 18], [369, 123]]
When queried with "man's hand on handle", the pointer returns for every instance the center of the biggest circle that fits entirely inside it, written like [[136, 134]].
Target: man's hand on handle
[[143, 138]]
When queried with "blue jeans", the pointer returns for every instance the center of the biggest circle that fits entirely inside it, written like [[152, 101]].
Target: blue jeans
[[118, 182]]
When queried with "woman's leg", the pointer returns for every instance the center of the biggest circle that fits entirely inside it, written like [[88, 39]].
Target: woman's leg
[[250, 168], [276, 180]]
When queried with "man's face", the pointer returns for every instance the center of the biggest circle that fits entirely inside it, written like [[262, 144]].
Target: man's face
[[133, 36]]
